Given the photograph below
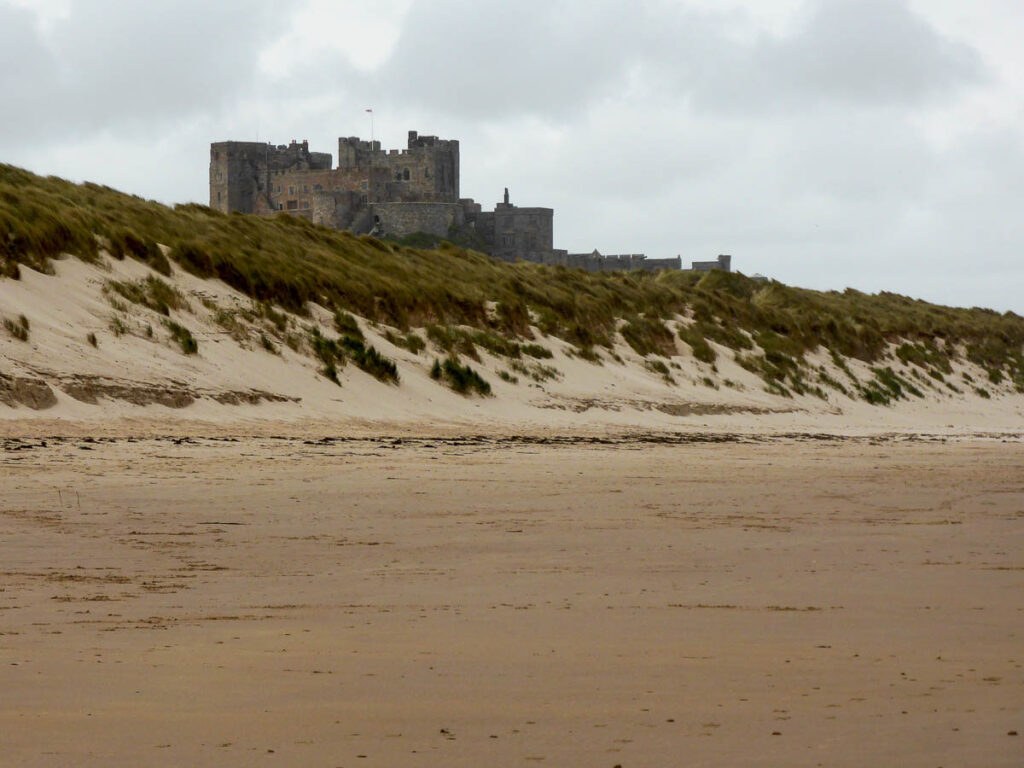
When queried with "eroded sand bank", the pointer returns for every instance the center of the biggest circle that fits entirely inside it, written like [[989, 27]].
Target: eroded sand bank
[[276, 602]]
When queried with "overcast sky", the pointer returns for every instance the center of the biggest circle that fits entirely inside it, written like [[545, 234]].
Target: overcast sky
[[877, 144]]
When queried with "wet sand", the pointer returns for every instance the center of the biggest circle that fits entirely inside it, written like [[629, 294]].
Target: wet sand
[[466, 603]]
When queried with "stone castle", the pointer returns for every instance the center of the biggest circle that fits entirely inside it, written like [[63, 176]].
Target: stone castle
[[392, 193]]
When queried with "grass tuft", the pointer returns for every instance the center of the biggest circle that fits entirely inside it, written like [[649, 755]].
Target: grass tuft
[[151, 292], [460, 378], [17, 328], [182, 336]]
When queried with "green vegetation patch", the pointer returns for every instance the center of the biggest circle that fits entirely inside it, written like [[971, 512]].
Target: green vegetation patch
[[460, 378], [346, 325], [367, 358], [17, 328], [151, 292], [123, 242], [698, 343], [648, 336], [659, 367], [410, 341], [182, 336], [538, 372], [337, 352]]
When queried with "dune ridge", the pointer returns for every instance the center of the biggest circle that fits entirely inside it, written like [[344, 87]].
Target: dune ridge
[[92, 356]]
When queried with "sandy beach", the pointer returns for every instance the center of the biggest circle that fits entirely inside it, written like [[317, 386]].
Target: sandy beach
[[463, 602], [480, 385]]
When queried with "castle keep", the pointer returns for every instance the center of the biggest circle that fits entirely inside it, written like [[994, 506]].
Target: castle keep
[[391, 193]]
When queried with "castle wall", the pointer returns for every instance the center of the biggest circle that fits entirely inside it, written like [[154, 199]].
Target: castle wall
[[234, 175], [522, 233], [293, 190], [723, 262], [401, 219], [240, 172], [427, 171], [335, 209], [482, 223], [598, 262]]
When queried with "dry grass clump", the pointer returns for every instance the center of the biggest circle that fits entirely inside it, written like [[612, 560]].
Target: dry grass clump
[[183, 337], [17, 328], [698, 343], [410, 341], [648, 336], [123, 242], [338, 352], [460, 378], [659, 367], [472, 301], [347, 325], [539, 372], [151, 292], [452, 341]]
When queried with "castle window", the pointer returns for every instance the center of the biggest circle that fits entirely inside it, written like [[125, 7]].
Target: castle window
[[405, 174], [280, 206], [398, 175], [508, 239], [305, 204], [426, 172], [318, 187], [277, 189], [362, 186], [363, 198], [305, 187], [291, 190], [293, 204]]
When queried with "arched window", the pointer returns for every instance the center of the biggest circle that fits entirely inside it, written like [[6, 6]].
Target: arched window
[[405, 174]]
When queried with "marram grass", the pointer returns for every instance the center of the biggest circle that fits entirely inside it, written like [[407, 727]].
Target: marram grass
[[285, 261]]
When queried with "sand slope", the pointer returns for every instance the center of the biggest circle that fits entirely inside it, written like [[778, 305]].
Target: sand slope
[[58, 380]]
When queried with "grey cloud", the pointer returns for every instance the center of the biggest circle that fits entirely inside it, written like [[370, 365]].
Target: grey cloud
[[865, 53], [24, 62], [493, 61], [115, 65]]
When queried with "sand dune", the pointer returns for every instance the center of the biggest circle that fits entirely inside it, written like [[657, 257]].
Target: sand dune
[[137, 375]]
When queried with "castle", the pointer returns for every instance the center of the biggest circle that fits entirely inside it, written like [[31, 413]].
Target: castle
[[392, 193]]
